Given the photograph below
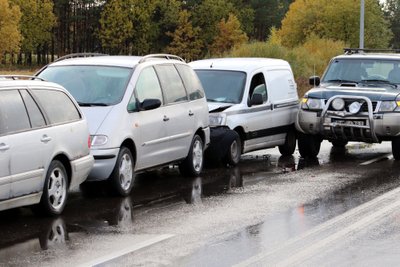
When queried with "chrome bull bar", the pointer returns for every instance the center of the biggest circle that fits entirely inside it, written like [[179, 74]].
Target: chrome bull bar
[[338, 129]]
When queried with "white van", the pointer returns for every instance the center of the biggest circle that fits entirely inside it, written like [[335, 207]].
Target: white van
[[256, 98]]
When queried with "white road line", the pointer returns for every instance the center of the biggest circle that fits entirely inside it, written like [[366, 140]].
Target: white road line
[[126, 250], [300, 248], [386, 156]]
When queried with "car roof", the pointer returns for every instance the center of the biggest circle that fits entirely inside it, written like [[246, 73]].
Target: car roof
[[7, 83], [118, 61], [384, 56], [237, 64]]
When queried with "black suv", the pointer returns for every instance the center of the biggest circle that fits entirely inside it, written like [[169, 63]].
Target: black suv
[[357, 99]]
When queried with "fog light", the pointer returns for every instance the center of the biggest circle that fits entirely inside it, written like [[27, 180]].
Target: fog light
[[354, 107], [338, 104]]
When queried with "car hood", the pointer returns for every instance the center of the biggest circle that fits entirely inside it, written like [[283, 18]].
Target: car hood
[[373, 93], [218, 107], [95, 117]]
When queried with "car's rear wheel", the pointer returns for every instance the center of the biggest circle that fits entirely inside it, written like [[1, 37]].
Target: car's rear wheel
[[309, 145], [123, 176], [396, 148], [339, 143], [193, 164], [232, 156], [55, 190], [289, 146]]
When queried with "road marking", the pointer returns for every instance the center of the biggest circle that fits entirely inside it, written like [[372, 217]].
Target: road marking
[[126, 250], [386, 156], [299, 249]]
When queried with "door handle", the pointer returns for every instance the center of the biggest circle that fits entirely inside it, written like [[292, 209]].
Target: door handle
[[191, 113], [4, 147], [165, 118], [45, 138]]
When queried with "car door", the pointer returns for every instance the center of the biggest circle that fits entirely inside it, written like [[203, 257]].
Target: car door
[[27, 142], [149, 126], [178, 112], [5, 177]]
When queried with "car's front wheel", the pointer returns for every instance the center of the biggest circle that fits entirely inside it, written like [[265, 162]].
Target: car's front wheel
[[232, 156], [309, 145], [396, 148], [55, 189], [193, 164], [123, 176]]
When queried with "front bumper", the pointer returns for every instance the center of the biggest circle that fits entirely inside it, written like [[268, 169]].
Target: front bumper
[[104, 162], [221, 139], [363, 126]]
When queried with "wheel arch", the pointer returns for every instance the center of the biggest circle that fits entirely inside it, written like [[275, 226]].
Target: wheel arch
[[67, 165], [242, 135], [130, 144]]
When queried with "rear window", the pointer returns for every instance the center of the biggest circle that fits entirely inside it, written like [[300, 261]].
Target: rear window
[[191, 82], [91, 85], [58, 107], [13, 115]]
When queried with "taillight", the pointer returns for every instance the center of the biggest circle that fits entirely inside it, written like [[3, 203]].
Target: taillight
[[89, 142]]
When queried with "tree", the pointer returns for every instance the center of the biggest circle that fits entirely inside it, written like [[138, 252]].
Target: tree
[[185, 39], [10, 36], [230, 35], [115, 27], [336, 20], [392, 14], [36, 25]]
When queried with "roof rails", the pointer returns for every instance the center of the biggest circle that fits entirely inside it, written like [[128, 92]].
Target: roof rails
[[75, 55], [350, 51], [164, 56], [21, 77]]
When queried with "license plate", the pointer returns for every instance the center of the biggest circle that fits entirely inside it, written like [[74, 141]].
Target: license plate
[[350, 122]]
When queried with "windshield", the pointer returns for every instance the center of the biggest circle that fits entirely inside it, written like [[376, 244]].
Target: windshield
[[366, 71], [222, 86], [91, 85]]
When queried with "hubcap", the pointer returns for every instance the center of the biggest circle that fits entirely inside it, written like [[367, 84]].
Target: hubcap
[[125, 172], [234, 150], [57, 188], [197, 155]]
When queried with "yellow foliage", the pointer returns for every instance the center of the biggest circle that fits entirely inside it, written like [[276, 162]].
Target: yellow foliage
[[10, 36]]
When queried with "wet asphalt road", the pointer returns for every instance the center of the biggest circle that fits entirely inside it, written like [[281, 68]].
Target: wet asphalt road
[[341, 209]]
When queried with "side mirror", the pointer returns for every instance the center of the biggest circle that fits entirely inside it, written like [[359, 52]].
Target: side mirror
[[256, 99], [150, 103], [314, 80]]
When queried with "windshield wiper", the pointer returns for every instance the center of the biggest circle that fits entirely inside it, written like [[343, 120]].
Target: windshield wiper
[[85, 104], [379, 81]]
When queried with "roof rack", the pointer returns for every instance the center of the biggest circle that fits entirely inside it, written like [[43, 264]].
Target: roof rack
[[350, 51], [164, 56], [75, 55], [21, 77]]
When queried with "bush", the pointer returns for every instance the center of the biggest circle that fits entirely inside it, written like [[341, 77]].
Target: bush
[[311, 58]]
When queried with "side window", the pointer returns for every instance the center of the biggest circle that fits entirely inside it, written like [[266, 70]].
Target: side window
[[147, 87], [35, 115], [191, 82], [171, 83], [13, 115], [58, 107], [258, 86]]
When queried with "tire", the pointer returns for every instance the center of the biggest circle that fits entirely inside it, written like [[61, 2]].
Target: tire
[[55, 190], [123, 176], [309, 145], [234, 152], [289, 146], [339, 143], [193, 164], [396, 148]]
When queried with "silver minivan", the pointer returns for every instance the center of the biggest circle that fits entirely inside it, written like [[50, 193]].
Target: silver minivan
[[143, 113], [44, 145]]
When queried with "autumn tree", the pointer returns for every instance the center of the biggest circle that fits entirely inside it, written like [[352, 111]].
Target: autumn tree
[[36, 25], [392, 14], [230, 34], [115, 27], [336, 20], [10, 35], [185, 39]]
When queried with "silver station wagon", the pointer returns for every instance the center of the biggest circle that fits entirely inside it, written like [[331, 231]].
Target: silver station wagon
[[44, 145], [143, 113]]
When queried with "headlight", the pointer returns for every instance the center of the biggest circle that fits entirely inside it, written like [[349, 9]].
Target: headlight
[[99, 140], [388, 106], [217, 119], [312, 103]]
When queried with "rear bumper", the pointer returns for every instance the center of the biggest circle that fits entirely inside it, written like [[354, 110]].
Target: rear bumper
[[80, 170]]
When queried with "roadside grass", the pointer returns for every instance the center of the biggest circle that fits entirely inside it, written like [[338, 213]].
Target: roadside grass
[[14, 71]]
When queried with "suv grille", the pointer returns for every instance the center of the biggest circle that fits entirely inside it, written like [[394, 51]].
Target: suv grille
[[364, 107]]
